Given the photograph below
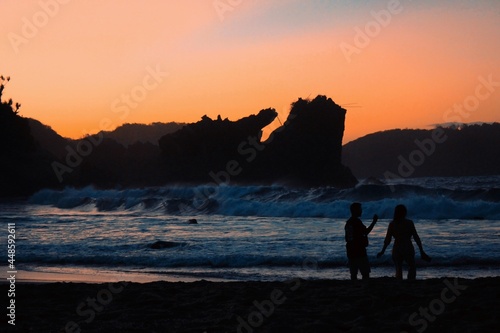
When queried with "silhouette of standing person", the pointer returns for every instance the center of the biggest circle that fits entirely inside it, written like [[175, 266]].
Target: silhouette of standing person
[[403, 230], [356, 237]]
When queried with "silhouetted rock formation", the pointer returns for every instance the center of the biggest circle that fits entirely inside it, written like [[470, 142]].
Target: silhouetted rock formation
[[198, 149], [305, 151], [466, 151]]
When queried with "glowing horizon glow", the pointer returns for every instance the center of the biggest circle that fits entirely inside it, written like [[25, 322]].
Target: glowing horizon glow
[[427, 59]]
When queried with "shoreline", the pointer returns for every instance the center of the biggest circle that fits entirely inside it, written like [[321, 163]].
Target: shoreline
[[86, 274], [379, 305], [97, 277]]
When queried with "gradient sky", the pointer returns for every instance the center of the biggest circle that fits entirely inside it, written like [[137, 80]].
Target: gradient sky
[[73, 63]]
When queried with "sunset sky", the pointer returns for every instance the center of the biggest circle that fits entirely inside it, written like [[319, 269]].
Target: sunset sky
[[79, 66]]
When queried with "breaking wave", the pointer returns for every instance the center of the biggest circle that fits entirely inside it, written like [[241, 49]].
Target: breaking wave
[[458, 199]]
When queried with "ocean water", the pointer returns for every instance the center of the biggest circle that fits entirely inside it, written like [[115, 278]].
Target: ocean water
[[252, 232]]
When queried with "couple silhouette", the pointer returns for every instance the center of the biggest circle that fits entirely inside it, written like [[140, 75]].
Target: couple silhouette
[[400, 228]]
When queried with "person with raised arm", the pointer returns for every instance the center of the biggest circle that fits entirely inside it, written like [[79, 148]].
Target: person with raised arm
[[356, 237]]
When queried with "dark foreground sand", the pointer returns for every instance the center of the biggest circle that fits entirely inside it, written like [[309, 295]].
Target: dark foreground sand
[[380, 305]]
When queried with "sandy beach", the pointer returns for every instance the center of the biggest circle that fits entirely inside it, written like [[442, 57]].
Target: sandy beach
[[379, 305]]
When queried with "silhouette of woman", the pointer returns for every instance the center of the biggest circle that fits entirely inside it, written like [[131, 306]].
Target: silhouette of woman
[[403, 230]]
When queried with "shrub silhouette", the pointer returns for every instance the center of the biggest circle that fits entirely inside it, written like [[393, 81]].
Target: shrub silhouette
[[24, 169], [15, 136]]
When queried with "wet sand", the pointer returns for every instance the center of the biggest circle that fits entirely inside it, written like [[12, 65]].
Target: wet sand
[[378, 305]]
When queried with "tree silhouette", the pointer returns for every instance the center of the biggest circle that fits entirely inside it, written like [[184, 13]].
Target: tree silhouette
[[7, 106], [15, 133]]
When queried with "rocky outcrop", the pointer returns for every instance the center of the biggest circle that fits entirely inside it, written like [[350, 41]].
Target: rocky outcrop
[[199, 149], [306, 150]]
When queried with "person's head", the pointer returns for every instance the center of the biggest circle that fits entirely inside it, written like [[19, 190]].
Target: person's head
[[356, 209], [400, 212]]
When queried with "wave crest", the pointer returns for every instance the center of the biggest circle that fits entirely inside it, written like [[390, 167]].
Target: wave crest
[[282, 201]]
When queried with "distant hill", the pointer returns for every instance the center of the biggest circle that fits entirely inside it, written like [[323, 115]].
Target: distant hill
[[470, 150], [129, 155], [24, 168], [48, 139], [128, 134]]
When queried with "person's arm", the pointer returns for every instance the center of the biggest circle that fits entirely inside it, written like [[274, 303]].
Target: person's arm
[[387, 240], [423, 255], [375, 219]]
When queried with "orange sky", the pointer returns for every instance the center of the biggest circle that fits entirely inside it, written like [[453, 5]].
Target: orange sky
[[73, 63]]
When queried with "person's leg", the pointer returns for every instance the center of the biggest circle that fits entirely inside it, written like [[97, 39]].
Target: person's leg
[[398, 263], [353, 268], [399, 270], [412, 267], [364, 267]]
